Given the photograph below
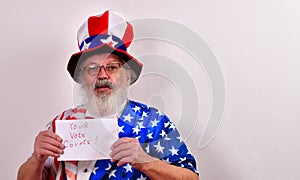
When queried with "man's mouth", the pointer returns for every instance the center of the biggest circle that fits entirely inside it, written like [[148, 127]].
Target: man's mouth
[[103, 85]]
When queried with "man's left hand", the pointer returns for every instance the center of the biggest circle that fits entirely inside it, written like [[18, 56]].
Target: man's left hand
[[128, 150]]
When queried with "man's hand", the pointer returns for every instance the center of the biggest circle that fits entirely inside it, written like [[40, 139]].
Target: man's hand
[[129, 150], [47, 144]]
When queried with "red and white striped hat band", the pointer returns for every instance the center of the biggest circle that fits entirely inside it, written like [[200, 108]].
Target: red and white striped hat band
[[107, 32]]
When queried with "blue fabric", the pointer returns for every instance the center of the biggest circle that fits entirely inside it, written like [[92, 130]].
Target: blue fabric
[[156, 134]]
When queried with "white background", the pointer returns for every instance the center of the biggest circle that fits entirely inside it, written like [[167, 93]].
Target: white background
[[257, 46]]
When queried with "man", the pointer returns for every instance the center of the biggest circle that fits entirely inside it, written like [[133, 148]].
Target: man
[[149, 146]]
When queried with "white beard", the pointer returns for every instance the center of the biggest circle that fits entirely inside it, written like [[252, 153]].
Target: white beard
[[108, 105]]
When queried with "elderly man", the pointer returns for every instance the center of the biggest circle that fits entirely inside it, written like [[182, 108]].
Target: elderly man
[[149, 145]]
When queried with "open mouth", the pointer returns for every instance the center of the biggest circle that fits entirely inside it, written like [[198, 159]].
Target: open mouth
[[103, 85]]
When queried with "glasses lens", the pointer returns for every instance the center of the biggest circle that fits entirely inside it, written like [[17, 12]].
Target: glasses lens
[[92, 69]]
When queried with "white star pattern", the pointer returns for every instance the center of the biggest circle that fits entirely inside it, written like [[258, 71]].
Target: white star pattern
[[150, 135], [121, 129], [172, 126], [85, 45], [159, 148], [112, 173], [163, 133], [109, 166], [166, 124], [190, 164], [136, 130], [147, 149], [167, 139], [141, 124], [128, 117], [95, 169], [182, 159], [136, 108], [142, 178], [128, 168], [154, 122], [180, 139], [174, 151], [109, 41], [159, 113], [144, 114], [153, 131], [166, 160]]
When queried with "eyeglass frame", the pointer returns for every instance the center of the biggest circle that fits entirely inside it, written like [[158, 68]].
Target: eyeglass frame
[[105, 67]]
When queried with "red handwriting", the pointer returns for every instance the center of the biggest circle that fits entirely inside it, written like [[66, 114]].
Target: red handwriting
[[75, 126], [76, 144], [77, 135]]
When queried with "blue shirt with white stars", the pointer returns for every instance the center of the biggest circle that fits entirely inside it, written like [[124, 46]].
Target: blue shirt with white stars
[[158, 137]]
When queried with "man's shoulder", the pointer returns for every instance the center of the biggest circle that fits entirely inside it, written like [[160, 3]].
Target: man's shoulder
[[139, 107]]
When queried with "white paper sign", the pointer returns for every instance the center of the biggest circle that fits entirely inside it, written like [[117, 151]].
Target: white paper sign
[[87, 139]]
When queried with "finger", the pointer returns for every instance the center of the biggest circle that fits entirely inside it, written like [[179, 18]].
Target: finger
[[120, 148], [49, 137], [52, 135], [50, 147], [121, 141], [46, 152], [129, 154], [121, 163], [53, 142]]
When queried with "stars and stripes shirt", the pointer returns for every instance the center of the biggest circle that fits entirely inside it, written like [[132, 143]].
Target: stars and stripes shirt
[[157, 135]]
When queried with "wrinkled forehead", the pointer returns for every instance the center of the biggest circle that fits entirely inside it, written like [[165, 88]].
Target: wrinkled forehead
[[103, 58]]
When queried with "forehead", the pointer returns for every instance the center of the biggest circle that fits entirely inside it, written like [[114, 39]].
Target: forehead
[[102, 58]]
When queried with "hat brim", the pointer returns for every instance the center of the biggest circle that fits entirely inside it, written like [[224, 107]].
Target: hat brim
[[78, 58]]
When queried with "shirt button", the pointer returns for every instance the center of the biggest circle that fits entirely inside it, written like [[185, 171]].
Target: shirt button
[[85, 170]]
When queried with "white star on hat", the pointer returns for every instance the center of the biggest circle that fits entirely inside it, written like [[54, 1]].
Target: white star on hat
[[85, 45], [109, 41]]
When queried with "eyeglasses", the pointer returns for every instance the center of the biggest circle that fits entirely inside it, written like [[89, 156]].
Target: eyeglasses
[[94, 69]]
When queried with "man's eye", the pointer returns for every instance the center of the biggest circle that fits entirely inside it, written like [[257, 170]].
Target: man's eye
[[111, 68], [93, 69]]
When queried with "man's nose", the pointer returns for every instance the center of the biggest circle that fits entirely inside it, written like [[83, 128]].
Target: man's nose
[[102, 73]]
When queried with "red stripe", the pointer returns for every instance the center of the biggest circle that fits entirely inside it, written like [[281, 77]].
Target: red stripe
[[78, 110], [98, 25], [62, 115], [128, 35]]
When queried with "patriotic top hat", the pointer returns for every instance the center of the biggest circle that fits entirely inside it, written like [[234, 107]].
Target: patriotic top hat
[[108, 32]]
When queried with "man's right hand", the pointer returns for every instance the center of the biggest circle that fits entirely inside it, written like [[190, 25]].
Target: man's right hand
[[46, 144]]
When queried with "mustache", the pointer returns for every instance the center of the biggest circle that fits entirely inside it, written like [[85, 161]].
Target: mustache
[[103, 83]]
